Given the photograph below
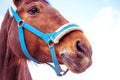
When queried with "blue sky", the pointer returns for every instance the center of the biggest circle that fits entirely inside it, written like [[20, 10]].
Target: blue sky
[[80, 11], [100, 20]]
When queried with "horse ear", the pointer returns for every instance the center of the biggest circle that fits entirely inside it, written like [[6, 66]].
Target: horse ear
[[14, 5], [16, 2]]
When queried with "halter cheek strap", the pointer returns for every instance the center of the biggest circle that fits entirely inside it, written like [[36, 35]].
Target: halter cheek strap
[[53, 37]]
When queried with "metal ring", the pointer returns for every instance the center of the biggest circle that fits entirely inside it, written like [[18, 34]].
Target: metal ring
[[21, 23]]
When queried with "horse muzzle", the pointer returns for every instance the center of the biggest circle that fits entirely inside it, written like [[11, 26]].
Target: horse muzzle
[[78, 60]]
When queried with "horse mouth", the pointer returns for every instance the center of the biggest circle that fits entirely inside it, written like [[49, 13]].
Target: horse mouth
[[77, 64]]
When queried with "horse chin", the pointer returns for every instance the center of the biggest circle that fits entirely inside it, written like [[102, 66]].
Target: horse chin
[[77, 65]]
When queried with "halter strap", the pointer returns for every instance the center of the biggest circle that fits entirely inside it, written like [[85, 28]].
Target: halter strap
[[53, 37]]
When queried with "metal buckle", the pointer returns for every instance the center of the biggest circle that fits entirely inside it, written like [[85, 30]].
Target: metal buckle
[[21, 23], [63, 72]]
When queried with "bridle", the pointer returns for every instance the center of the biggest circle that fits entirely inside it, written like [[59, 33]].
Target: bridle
[[48, 38]]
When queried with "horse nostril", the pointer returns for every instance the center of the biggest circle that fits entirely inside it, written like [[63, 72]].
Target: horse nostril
[[62, 55], [80, 46]]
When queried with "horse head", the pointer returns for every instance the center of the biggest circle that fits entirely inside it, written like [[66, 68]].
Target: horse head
[[71, 47]]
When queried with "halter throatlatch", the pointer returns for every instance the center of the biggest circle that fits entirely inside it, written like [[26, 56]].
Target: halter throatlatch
[[53, 37]]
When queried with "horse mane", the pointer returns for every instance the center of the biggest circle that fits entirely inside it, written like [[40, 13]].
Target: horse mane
[[8, 58], [3, 37]]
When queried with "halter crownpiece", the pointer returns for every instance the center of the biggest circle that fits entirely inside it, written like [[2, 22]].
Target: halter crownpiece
[[53, 37]]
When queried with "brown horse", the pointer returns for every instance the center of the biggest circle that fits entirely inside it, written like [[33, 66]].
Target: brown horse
[[72, 50]]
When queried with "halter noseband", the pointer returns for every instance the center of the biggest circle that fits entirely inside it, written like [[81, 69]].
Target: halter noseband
[[53, 37]]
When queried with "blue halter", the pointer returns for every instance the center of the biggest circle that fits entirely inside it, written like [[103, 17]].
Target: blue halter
[[48, 38]]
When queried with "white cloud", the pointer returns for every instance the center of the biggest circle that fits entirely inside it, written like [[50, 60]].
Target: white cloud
[[107, 11], [104, 18]]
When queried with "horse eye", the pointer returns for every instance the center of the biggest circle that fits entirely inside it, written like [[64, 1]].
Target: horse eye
[[33, 10]]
